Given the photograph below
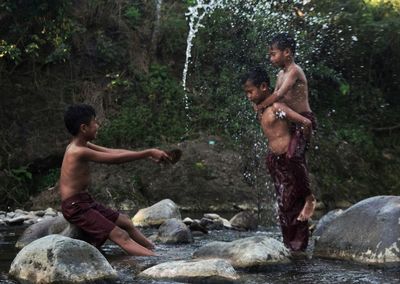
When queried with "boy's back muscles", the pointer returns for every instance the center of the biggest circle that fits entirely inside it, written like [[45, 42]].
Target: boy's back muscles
[[75, 174]]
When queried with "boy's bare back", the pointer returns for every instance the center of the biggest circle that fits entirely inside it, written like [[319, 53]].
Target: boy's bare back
[[75, 173]]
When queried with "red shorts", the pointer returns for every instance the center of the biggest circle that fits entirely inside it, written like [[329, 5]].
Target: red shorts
[[96, 220]]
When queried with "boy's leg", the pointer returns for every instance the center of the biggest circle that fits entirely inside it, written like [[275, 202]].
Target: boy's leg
[[308, 209], [125, 223], [122, 238]]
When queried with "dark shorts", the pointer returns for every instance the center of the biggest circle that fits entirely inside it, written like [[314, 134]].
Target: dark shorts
[[292, 185], [96, 220]]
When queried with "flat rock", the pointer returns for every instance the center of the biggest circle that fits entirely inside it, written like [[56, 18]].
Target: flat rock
[[194, 271], [249, 252]]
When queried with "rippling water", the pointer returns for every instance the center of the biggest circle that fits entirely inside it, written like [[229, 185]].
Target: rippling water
[[300, 271]]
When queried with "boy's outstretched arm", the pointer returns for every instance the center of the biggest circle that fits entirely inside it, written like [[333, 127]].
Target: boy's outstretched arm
[[103, 149], [278, 94], [121, 156]]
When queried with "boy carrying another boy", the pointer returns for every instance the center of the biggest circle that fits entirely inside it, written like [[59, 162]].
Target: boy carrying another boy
[[292, 90], [98, 222], [288, 173]]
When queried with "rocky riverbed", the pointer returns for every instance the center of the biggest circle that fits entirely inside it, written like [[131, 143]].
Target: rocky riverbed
[[221, 238]]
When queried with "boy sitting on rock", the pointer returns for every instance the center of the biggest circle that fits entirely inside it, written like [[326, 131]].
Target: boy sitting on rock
[[97, 221]]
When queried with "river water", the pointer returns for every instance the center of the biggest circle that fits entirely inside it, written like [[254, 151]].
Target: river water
[[299, 271]]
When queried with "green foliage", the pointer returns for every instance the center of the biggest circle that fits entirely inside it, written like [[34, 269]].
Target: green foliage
[[154, 112], [133, 15], [20, 174], [349, 51], [107, 50], [173, 33], [36, 30], [49, 179], [10, 50], [14, 186]]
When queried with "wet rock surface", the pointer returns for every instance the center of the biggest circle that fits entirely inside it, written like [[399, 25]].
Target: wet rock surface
[[324, 222], [174, 231], [367, 232], [53, 225], [250, 252], [58, 259], [244, 220], [194, 271], [156, 214]]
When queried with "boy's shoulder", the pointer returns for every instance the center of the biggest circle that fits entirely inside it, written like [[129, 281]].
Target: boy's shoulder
[[298, 68], [75, 150]]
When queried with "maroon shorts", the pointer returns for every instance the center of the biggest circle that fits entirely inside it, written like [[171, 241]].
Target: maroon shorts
[[292, 185], [96, 220]]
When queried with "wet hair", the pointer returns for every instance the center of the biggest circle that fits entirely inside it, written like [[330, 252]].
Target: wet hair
[[283, 41], [257, 76], [78, 114]]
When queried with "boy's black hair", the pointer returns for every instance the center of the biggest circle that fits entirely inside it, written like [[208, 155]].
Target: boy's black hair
[[78, 114], [257, 76], [283, 41]]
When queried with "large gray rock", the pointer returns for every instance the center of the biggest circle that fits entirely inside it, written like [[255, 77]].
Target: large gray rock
[[367, 232], [244, 220], [54, 225], [174, 231], [156, 214], [200, 271], [250, 252], [326, 220], [58, 259]]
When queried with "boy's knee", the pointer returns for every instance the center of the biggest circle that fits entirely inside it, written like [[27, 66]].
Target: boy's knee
[[124, 221], [125, 218], [121, 234]]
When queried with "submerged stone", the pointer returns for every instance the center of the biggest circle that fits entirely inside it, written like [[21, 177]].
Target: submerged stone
[[174, 231]]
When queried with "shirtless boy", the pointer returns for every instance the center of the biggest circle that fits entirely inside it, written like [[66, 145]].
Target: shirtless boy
[[98, 222], [292, 89], [288, 173]]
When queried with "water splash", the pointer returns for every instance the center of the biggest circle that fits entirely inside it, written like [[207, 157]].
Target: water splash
[[196, 14], [263, 18]]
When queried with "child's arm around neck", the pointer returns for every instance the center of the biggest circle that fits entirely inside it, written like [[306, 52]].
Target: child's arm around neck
[[287, 84]]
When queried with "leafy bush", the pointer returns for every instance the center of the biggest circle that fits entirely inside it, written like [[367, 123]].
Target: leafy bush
[[133, 15], [154, 112]]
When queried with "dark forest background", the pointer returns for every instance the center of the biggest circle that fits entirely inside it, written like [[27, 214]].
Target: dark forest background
[[118, 57]]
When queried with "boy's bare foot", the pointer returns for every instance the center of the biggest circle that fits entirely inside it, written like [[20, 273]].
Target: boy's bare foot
[[308, 209], [150, 245]]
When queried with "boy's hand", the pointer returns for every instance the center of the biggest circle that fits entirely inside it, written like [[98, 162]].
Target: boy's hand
[[259, 107], [158, 155], [307, 129]]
